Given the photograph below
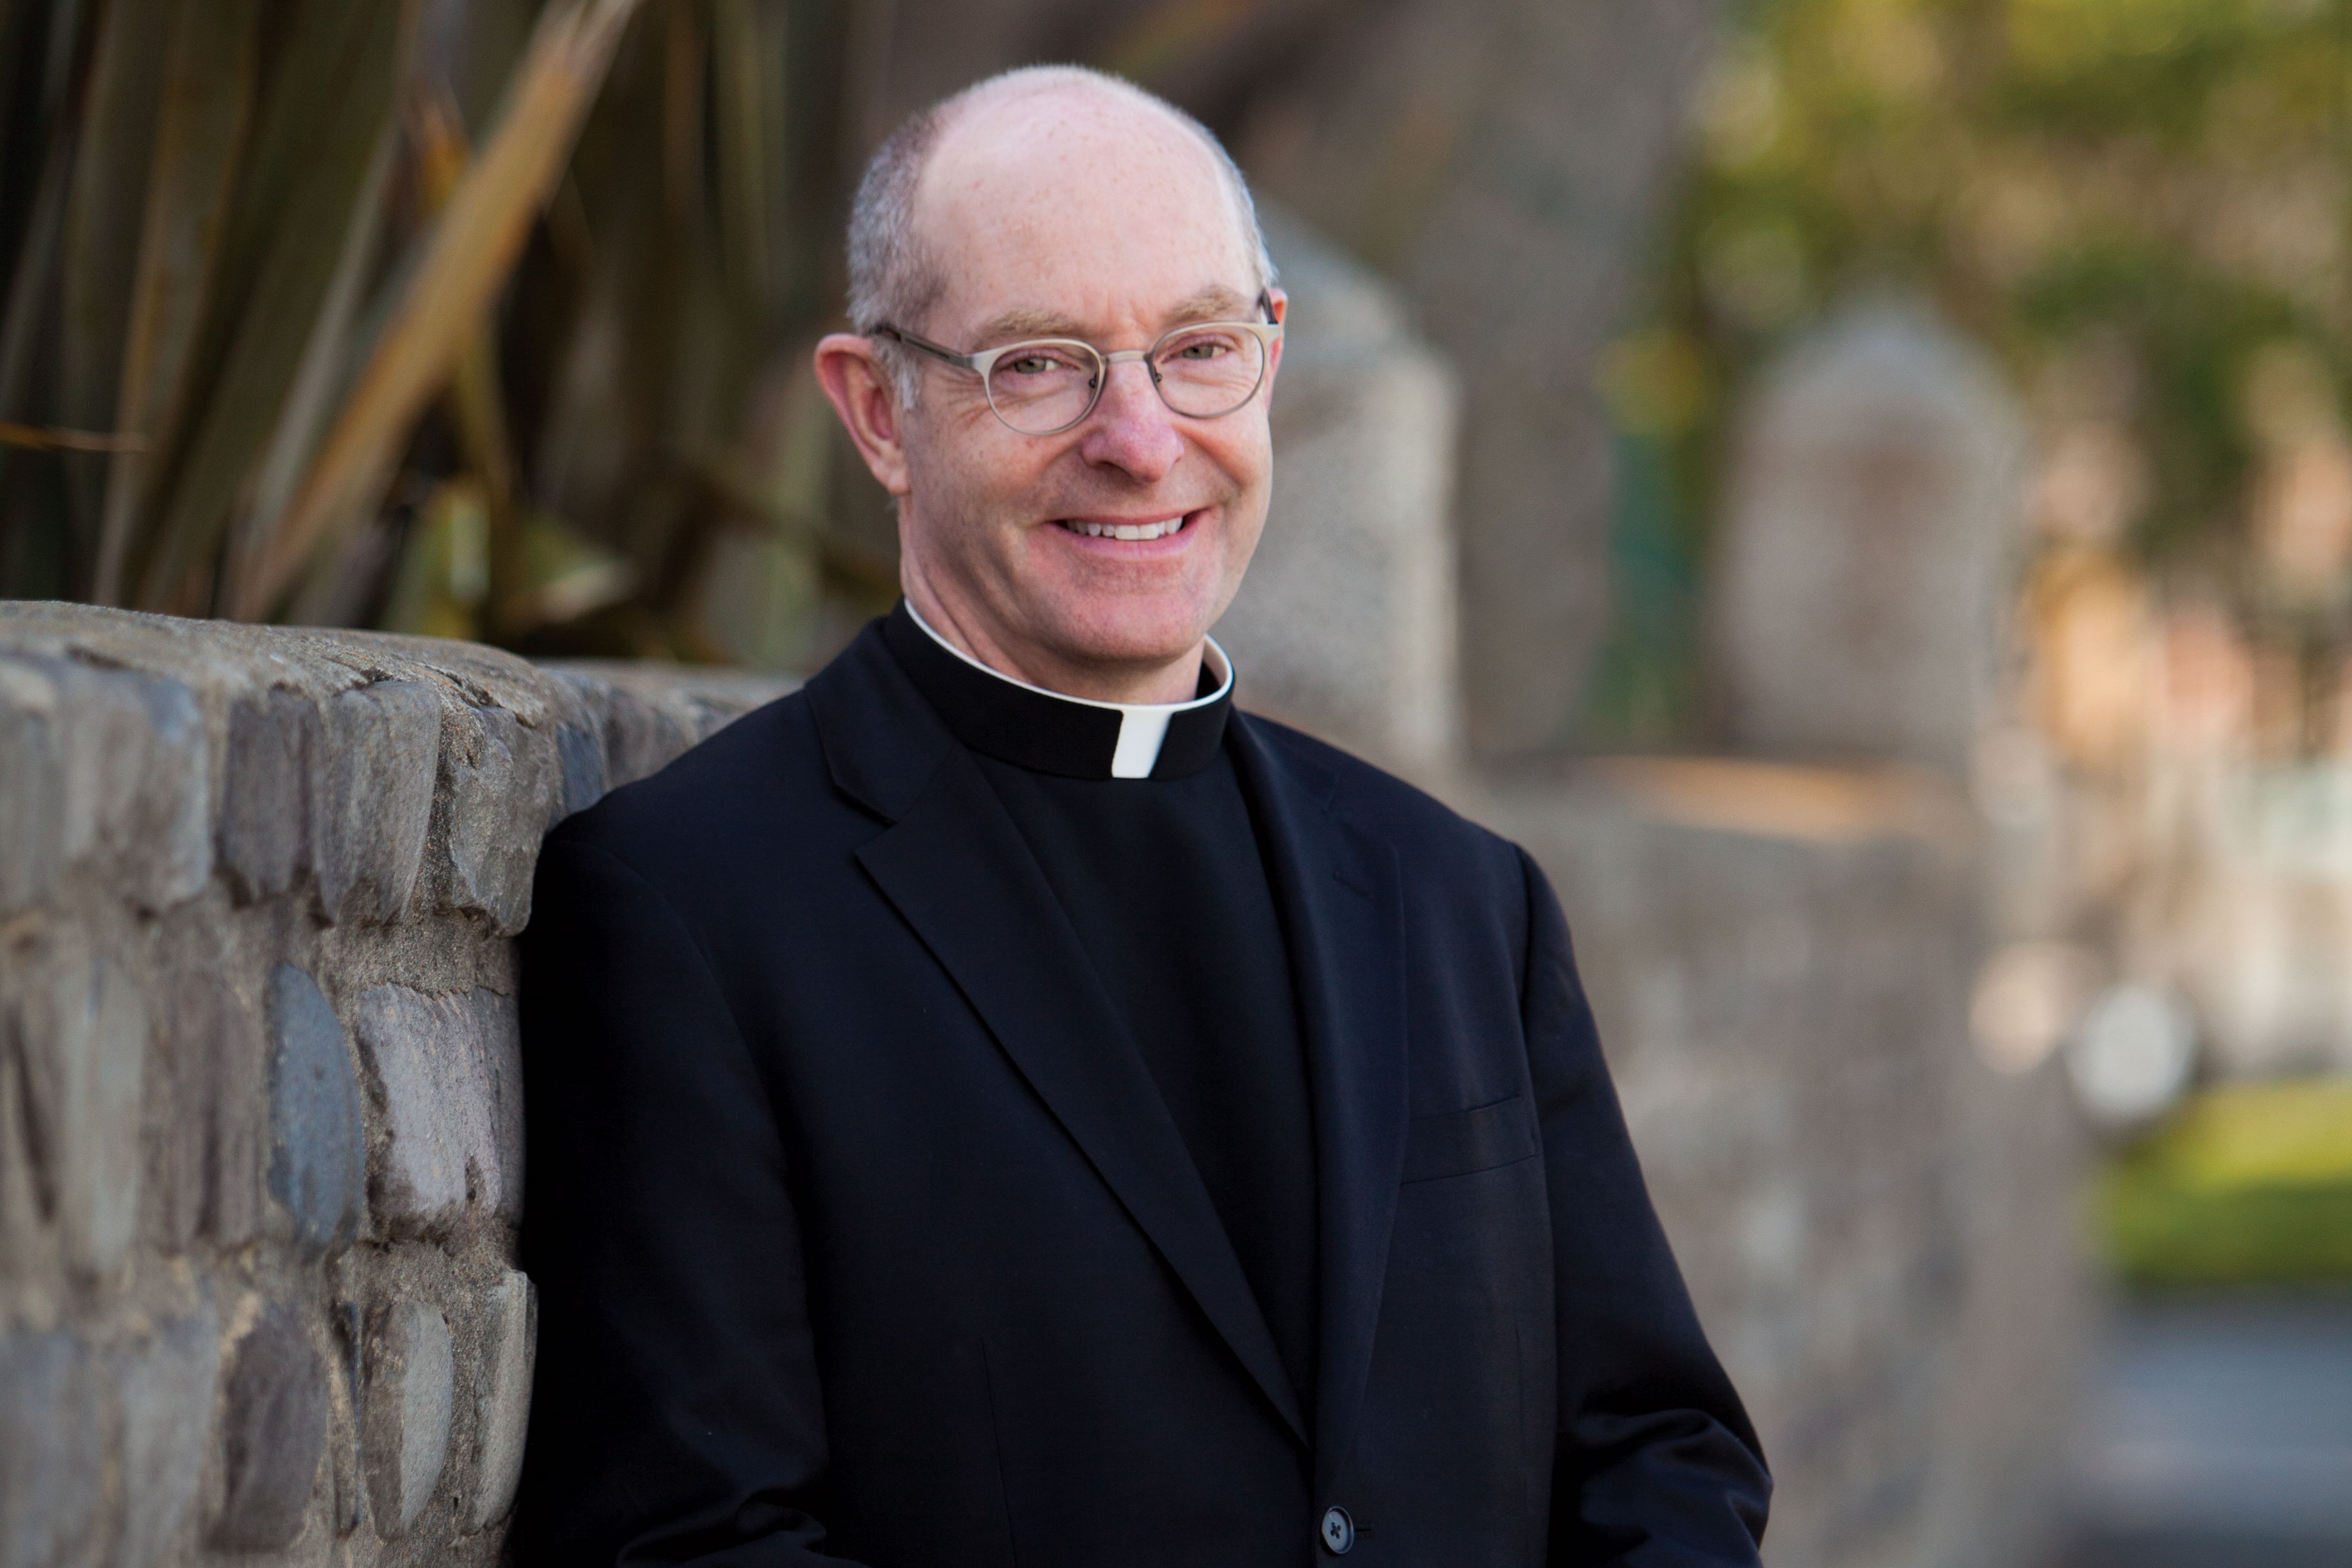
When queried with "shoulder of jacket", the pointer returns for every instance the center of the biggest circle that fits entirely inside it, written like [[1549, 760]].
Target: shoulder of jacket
[[1379, 800], [763, 767]]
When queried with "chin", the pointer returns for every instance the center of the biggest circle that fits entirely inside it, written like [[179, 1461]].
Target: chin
[[1126, 629]]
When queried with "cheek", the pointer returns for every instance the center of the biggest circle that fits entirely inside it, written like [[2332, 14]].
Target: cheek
[[1248, 461], [1242, 445], [967, 478]]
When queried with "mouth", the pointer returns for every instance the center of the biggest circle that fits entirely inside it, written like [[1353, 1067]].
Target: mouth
[[1119, 529]]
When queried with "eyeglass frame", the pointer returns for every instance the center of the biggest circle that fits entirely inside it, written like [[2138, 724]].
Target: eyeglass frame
[[982, 361]]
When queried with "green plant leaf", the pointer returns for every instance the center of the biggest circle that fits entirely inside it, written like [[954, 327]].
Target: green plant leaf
[[309, 203], [444, 574], [747, 63], [206, 101], [349, 320], [100, 239]]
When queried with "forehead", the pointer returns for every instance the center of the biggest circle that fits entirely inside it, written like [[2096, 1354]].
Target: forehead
[[1079, 204]]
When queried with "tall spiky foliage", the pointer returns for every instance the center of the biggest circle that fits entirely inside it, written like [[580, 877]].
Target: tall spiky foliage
[[479, 318]]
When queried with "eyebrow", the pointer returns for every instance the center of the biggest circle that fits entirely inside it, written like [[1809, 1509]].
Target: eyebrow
[[1014, 325], [1215, 303]]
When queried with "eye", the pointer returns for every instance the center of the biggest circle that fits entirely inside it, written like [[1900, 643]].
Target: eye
[[1196, 348], [1041, 360]]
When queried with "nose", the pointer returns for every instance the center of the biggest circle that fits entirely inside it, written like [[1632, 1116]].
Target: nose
[[1130, 429]]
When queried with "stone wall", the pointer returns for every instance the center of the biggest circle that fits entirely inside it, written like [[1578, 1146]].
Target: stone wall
[[1878, 1229], [1346, 621], [259, 1113], [1870, 537], [1507, 162]]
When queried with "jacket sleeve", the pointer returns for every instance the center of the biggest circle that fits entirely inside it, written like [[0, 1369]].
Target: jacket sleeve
[[1656, 1464], [676, 1415]]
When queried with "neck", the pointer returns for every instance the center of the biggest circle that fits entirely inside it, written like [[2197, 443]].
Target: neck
[[1157, 681]]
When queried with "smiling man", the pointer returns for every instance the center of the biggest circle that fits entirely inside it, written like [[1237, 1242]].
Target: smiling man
[[1005, 1105]]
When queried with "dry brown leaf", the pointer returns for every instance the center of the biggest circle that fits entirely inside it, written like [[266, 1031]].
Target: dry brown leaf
[[472, 249]]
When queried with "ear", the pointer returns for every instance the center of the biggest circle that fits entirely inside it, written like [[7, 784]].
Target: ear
[[1278, 304], [867, 401]]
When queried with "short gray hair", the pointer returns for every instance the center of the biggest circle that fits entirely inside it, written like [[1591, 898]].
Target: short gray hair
[[890, 279]]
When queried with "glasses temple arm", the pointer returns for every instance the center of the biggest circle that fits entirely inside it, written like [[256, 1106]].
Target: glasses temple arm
[[962, 362]]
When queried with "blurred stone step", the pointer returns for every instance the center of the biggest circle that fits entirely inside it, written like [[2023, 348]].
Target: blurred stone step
[[2222, 1435]]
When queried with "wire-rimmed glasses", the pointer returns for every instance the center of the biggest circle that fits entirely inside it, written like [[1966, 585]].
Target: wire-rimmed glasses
[[1043, 386]]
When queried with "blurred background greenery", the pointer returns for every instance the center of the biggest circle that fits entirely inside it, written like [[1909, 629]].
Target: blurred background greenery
[[2140, 206], [2250, 1183]]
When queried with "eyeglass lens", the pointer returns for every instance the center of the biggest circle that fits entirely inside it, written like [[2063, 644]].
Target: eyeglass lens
[[1042, 387]]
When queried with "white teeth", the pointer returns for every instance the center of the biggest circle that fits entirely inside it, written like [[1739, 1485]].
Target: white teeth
[[1127, 529]]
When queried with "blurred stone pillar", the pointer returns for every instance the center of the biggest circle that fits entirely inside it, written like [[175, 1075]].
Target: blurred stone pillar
[[1508, 162], [1874, 506], [1346, 623]]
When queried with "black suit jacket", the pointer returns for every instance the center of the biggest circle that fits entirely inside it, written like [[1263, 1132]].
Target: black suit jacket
[[861, 1231]]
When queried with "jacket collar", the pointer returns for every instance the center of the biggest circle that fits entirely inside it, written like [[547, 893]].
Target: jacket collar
[[882, 740], [1048, 732]]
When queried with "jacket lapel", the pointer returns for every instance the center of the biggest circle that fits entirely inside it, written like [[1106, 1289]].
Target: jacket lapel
[[1341, 899], [957, 869]]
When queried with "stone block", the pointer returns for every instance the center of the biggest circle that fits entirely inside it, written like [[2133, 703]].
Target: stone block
[[641, 738], [449, 1078], [82, 1054], [411, 1383], [111, 763], [502, 1397], [317, 1137], [372, 797], [582, 751], [1873, 507], [264, 836], [649, 713], [32, 786], [1346, 623], [209, 1156], [51, 1455], [273, 1427], [137, 782], [167, 1388], [502, 789]]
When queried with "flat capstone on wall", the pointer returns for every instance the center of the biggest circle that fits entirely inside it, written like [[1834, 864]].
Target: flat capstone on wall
[[260, 1112]]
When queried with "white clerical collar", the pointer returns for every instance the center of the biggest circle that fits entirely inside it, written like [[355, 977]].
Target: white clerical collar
[[1142, 726]]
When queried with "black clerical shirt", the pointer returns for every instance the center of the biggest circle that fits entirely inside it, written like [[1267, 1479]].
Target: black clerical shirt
[[1163, 877]]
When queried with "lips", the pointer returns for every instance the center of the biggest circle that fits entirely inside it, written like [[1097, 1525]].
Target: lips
[[1159, 529]]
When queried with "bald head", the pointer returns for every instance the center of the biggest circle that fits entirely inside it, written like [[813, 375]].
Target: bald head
[[1020, 155]]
